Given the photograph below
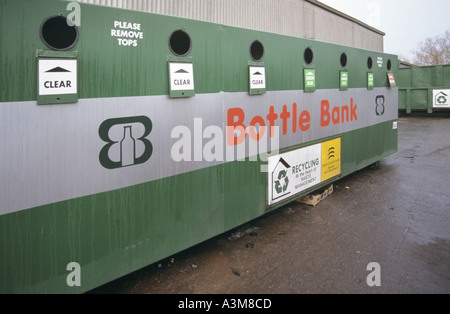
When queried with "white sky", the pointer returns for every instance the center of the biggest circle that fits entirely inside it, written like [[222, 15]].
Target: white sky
[[405, 22]]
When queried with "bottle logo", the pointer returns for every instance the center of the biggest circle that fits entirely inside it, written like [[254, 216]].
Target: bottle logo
[[379, 110], [127, 143]]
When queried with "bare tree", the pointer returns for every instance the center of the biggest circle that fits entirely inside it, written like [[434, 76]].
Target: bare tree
[[433, 51]]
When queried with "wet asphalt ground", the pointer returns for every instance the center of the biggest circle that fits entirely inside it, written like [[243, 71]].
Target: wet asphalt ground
[[397, 216]]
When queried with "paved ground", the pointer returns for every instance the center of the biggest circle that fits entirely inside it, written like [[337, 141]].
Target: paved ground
[[397, 216]]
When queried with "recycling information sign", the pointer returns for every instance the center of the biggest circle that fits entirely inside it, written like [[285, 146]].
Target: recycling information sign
[[310, 80], [57, 81], [391, 79], [257, 75], [343, 80], [181, 75], [298, 170], [441, 98], [370, 80]]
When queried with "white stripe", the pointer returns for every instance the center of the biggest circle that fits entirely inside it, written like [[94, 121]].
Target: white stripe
[[51, 153]]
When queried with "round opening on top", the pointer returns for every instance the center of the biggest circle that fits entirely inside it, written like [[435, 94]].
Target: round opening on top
[[308, 55], [343, 60], [257, 51], [180, 43], [369, 63], [389, 65], [57, 34]]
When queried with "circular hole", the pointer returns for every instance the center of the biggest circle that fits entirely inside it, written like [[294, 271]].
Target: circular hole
[[389, 65], [369, 63], [257, 51], [308, 56], [343, 59], [57, 34], [180, 43]]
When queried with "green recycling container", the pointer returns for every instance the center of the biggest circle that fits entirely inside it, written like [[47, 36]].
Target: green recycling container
[[127, 137], [424, 88]]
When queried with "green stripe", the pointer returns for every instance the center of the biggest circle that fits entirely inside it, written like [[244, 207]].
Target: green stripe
[[114, 233], [220, 55]]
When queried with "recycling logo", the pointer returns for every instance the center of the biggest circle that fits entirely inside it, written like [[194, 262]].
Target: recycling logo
[[280, 179], [282, 184], [441, 100]]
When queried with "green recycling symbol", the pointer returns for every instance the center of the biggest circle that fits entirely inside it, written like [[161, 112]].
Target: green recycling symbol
[[282, 185], [441, 100]]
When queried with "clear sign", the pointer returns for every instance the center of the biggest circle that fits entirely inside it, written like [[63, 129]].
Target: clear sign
[[181, 79], [57, 78], [257, 75]]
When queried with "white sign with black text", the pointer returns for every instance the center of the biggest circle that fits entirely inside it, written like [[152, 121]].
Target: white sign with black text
[[293, 172], [257, 77], [181, 76], [57, 77]]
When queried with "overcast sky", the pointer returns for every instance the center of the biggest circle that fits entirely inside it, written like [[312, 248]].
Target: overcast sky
[[405, 22]]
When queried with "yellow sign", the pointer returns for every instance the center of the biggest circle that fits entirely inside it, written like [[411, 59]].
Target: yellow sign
[[331, 159]]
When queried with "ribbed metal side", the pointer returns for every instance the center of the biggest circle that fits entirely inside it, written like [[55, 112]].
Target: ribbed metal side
[[297, 18]]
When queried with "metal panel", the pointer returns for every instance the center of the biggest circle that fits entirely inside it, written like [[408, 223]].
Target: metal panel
[[417, 85]]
